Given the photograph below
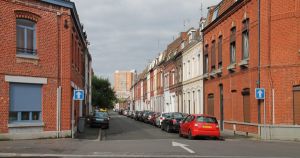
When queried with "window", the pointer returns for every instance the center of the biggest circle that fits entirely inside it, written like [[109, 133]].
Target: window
[[245, 40], [205, 60], [192, 35], [189, 68], [25, 102], [246, 104], [232, 46], [173, 78], [215, 14], [204, 119], [73, 49], [213, 55], [26, 35], [182, 45], [205, 64], [220, 52]]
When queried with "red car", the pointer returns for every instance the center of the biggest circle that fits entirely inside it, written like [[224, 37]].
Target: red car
[[199, 125]]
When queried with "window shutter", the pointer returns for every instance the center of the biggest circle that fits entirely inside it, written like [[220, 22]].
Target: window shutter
[[25, 97]]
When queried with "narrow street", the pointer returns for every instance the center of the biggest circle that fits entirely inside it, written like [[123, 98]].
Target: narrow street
[[130, 138], [123, 128]]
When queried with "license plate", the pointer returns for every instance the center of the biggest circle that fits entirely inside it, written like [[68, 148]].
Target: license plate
[[206, 126]]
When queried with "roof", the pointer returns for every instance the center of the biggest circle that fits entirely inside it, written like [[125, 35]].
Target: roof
[[217, 11]]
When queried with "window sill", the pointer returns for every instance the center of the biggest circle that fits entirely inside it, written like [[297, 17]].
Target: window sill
[[25, 124], [28, 56], [244, 63], [219, 71], [205, 76], [213, 74], [231, 67]]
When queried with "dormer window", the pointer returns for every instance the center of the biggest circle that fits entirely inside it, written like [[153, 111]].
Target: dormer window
[[192, 36], [26, 37], [182, 45], [215, 14]]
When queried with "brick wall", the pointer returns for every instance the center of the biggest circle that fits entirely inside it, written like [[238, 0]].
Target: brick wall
[[279, 61], [53, 43]]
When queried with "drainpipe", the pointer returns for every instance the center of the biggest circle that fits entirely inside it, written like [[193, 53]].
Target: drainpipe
[[258, 81], [58, 92]]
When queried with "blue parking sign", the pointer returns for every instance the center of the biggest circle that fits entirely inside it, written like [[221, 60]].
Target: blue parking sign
[[78, 95], [260, 93]]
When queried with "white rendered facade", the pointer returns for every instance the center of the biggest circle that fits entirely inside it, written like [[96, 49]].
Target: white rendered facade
[[192, 81]]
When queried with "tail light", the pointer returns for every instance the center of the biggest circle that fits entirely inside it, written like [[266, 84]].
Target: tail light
[[174, 121]]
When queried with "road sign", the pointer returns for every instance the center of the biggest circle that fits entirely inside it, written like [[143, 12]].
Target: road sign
[[78, 95], [260, 93]]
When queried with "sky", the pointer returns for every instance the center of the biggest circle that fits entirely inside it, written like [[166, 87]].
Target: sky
[[128, 34]]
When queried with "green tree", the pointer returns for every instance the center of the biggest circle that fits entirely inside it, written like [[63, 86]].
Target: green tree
[[102, 93]]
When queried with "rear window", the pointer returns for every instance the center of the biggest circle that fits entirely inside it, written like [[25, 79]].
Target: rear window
[[178, 115], [100, 114], [206, 119]]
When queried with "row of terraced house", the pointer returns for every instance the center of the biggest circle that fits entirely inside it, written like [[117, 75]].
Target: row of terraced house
[[44, 58], [241, 45]]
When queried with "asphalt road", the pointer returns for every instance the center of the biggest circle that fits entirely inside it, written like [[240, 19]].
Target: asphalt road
[[129, 138], [123, 128]]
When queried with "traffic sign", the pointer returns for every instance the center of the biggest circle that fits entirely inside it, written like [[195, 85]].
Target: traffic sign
[[78, 95], [260, 93]]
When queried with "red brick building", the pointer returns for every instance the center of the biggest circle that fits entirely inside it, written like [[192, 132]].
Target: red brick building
[[44, 54], [234, 66]]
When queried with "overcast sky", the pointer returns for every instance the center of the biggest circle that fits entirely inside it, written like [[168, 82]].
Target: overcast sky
[[127, 34]]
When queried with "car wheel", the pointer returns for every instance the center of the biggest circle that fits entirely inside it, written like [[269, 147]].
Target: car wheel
[[162, 127], [168, 129], [190, 136]]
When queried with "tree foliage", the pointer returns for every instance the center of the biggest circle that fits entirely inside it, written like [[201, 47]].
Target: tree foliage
[[102, 93]]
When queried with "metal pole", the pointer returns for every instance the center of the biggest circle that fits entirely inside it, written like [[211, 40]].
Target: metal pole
[[72, 130], [273, 107], [265, 127], [258, 82]]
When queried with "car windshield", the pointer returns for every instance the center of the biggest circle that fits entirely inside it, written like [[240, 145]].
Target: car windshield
[[100, 114], [203, 119]]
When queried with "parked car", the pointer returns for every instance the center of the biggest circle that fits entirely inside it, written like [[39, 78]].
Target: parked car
[[129, 113], [152, 119], [149, 117], [138, 115], [145, 116], [125, 112], [100, 119], [199, 125], [171, 122], [121, 111], [160, 118]]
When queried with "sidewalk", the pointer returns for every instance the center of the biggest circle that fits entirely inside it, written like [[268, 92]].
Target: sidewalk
[[227, 134]]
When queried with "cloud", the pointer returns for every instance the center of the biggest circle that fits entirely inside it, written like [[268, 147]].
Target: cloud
[[126, 34]]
